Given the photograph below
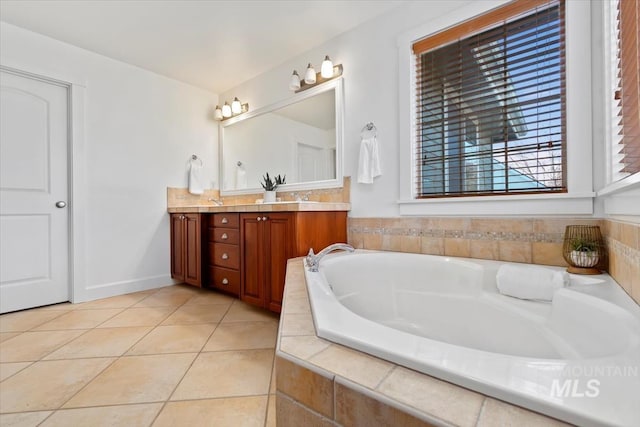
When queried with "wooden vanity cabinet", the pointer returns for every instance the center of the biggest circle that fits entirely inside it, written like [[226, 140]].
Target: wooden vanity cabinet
[[268, 240], [186, 248], [223, 252]]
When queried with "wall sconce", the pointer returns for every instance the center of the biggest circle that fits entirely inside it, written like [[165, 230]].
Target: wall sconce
[[327, 72], [228, 111]]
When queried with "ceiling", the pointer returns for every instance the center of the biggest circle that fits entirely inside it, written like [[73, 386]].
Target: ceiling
[[215, 45]]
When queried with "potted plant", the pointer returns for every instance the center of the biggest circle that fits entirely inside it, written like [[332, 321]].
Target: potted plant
[[270, 186], [584, 252]]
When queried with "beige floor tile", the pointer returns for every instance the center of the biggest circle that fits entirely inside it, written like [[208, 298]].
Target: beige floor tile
[[243, 312], [101, 342], [194, 314], [241, 411], [243, 336], [31, 346], [135, 379], [120, 301], [149, 316], [271, 412], [47, 385], [7, 335], [210, 298], [8, 369], [228, 373], [23, 419], [166, 299], [174, 339], [25, 320], [79, 319], [105, 416]]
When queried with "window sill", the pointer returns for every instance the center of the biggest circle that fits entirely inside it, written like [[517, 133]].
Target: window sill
[[529, 204], [622, 198]]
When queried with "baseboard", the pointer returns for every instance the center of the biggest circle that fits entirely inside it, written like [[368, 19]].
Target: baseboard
[[124, 287]]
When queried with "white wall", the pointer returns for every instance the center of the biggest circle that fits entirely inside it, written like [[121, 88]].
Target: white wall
[[140, 129], [369, 54]]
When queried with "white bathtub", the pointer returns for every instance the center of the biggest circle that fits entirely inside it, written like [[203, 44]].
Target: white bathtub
[[577, 359]]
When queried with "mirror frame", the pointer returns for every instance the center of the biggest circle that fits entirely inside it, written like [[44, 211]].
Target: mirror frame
[[337, 86]]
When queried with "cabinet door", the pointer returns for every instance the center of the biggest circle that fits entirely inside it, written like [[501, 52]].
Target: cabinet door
[[279, 233], [252, 283], [177, 247], [192, 236]]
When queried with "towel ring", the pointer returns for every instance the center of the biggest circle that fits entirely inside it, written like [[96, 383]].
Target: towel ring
[[194, 157], [369, 127]]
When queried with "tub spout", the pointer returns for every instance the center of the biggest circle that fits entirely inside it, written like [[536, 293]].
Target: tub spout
[[313, 260]]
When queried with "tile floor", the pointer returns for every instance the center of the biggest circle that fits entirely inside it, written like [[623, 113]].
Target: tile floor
[[177, 356]]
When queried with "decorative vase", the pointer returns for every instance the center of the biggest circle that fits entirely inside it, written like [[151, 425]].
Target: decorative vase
[[586, 259], [269, 197]]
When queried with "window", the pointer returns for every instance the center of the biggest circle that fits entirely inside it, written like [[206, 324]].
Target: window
[[625, 90], [490, 104]]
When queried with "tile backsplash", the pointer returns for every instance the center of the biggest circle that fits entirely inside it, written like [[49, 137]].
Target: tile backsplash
[[527, 240]]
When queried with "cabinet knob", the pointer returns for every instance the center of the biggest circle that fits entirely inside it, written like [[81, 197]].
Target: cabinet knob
[[225, 281], [264, 218], [224, 236], [224, 220], [225, 256], [259, 219]]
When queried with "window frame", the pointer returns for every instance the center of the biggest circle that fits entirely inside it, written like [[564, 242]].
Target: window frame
[[578, 200]]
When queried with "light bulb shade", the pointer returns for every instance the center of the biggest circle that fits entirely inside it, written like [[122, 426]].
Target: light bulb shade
[[310, 75], [217, 113], [294, 83], [226, 110], [236, 107], [326, 71]]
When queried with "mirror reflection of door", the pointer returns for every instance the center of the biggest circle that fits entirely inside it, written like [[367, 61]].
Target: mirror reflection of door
[[311, 161]]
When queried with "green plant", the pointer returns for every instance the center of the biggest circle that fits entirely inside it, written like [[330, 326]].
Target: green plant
[[271, 184], [582, 244]]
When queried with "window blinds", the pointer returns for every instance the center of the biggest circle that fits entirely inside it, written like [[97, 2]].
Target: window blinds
[[490, 104]]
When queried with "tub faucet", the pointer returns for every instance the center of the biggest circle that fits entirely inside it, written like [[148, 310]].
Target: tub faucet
[[313, 260]]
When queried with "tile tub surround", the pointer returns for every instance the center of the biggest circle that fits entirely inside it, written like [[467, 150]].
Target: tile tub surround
[[527, 240], [319, 383]]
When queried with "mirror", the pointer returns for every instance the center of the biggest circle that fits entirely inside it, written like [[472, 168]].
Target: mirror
[[300, 137]]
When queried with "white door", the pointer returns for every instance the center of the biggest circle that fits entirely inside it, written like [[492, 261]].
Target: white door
[[33, 179], [310, 163]]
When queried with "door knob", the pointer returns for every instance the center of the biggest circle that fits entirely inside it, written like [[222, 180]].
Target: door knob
[[61, 204]]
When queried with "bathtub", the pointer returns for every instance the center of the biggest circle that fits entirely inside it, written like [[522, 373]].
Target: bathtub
[[576, 359]]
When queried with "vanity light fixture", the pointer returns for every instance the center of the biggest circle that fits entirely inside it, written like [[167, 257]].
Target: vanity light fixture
[[327, 72], [310, 75], [228, 111], [294, 83], [217, 113]]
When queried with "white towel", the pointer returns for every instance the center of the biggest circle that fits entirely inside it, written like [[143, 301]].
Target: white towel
[[241, 177], [530, 282], [369, 163], [195, 178]]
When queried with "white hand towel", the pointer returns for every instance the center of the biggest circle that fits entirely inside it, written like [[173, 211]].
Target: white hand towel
[[195, 178], [369, 162], [530, 282], [241, 177]]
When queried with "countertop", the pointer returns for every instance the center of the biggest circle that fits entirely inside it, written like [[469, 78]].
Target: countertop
[[291, 206]]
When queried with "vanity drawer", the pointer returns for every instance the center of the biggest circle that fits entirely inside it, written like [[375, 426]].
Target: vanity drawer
[[224, 255], [226, 220], [225, 279], [224, 235]]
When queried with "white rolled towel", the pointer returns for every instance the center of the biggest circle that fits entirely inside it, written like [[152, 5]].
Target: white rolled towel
[[530, 282]]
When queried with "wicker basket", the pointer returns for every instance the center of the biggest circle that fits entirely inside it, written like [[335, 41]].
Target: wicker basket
[[584, 249]]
